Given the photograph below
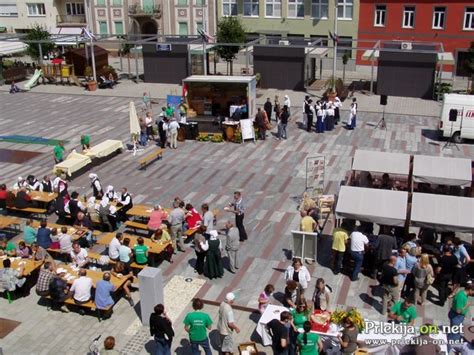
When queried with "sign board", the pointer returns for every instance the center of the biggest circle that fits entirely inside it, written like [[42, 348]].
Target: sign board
[[163, 47], [174, 101], [246, 126], [305, 245], [315, 167]]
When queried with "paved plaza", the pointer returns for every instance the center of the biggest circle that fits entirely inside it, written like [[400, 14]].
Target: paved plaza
[[270, 174]]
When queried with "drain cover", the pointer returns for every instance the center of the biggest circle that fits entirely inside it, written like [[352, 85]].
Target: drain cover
[[188, 279]]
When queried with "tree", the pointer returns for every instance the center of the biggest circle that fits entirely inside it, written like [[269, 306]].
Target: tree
[[229, 30], [125, 49], [469, 65], [345, 59], [38, 33]]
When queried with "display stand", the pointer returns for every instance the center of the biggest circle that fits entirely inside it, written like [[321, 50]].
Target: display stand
[[246, 127], [315, 167], [305, 245]]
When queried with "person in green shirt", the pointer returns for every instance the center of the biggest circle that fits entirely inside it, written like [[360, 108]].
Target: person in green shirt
[[29, 233], [308, 343], [169, 112], [459, 309], [196, 324], [141, 252], [85, 141], [301, 313], [59, 152], [403, 312], [7, 248]]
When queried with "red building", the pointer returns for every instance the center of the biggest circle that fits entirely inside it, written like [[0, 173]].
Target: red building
[[448, 22]]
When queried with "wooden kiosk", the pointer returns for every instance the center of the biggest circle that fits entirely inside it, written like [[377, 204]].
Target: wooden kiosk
[[213, 99]]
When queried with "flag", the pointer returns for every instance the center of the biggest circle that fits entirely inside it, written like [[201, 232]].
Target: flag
[[206, 37], [185, 90], [334, 37], [87, 34]]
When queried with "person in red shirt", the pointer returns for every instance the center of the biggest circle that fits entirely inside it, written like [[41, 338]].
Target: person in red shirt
[[3, 198], [193, 218]]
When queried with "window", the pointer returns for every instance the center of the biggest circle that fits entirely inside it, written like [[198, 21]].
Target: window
[[439, 15], [74, 8], [272, 8], [116, 2], [409, 17], [100, 2], [296, 8], [201, 3], [469, 19], [380, 13], [319, 9], [8, 10], [36, 9], [345, 9], [199, 26], [183, 28], [103, 27], [182, 2], [229, 7], [251, 8], [118, 27]]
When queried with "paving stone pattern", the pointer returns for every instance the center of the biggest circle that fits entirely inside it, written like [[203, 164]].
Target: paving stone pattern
[[270, 174]]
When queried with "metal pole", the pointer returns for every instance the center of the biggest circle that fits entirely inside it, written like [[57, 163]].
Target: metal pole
[[247, 59], [94, 74], [372, 73], [136, 63], [335, 47], [40, 54], [204, 58]]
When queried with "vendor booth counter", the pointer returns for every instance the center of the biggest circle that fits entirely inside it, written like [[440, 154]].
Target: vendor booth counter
[[213, 101]]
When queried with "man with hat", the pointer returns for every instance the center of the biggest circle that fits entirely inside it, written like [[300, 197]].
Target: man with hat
[[226, 324]]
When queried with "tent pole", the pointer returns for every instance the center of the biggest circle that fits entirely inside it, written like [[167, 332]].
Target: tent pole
[[94, 74], [372, 73], [40, 53]]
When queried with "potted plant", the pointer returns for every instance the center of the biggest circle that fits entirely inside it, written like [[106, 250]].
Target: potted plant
[[91, 84]]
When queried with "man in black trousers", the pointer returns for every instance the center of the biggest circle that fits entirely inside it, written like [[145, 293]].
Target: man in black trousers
[[237, 207]]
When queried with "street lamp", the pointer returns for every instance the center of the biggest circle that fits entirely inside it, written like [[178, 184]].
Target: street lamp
[[334, 62], [91, 37]]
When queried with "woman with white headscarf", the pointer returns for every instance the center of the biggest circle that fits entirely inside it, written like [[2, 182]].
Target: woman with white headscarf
[[287, 102], [96, 186], [93, 209], [213, 267], [104, 215], [110, 193]]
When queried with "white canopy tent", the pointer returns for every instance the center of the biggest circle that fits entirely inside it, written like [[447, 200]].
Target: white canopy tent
[[381, 162], [442, 171], [442, 212], [384, 207]]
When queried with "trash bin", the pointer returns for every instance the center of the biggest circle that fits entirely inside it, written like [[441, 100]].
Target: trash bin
[[191, 130]]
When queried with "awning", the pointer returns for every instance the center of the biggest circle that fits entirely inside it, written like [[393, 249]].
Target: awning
[[381, 162], [370, 54], [442, 212], [197, 48], [316, 52], [66, 36], [442, 170], [218, 79], [384, 207], [446, 58], [7, 47]]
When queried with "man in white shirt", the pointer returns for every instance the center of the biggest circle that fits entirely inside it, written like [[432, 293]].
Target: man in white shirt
[[207, 217], [79, 255], [114, 247], [358, 243], [173, 127], [81, 288], [65, 241]]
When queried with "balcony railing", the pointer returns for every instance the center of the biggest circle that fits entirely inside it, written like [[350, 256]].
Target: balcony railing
[[138, 10], [70, 19]]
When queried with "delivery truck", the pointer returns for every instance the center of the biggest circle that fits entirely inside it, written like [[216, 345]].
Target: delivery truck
[[457, 117]]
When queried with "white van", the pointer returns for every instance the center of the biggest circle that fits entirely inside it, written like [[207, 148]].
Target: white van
[[457, 117]]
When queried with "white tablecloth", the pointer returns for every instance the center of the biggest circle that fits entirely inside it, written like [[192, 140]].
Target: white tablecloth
[[232, 109], [72, 163], [103, 149], [271, 312]]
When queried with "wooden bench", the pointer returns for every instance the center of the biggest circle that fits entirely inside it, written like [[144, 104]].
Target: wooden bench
[[136, 225], [90, 305], [156, 154], [30, 210]]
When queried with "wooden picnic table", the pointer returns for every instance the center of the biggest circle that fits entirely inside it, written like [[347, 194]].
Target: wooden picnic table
[[95, 275], [6, 221], [153, 247], [29, 265], [75, 233], [40, 196], [140, 211]]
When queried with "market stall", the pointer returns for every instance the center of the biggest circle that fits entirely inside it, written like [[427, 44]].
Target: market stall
[[442, 171], [430, 210], [384, 207], [213, 100]]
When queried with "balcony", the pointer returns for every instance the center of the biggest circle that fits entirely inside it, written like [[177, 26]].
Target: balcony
[[144, 11], [70, 20]]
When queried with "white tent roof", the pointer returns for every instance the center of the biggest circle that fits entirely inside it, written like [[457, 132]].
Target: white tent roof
[[10, 47], [218, 79], [442, 170], [58, 35], [370, 54], [384, 207], [381, 162], [443, 213], [446, 58]]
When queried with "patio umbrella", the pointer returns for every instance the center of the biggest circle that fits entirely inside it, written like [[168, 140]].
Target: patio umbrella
[[134, 125]]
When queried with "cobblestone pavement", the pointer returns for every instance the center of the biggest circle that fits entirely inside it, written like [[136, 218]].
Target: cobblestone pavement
[[271, 175]]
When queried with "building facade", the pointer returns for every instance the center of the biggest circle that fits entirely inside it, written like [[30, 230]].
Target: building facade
[[20, 15], [294, 18], [449, 22]]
